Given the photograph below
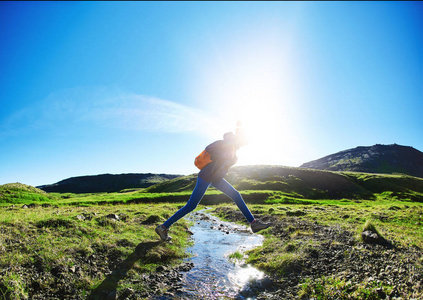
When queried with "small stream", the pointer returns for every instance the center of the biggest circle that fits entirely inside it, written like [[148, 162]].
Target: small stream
[[215, 275]]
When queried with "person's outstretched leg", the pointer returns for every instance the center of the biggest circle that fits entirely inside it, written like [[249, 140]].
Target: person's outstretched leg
[[232, 193], [196, 196]]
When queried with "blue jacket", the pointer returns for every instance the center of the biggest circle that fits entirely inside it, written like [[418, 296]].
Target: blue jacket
[[223, 156]]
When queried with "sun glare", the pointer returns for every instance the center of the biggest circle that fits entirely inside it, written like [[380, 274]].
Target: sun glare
[[264, 134], [261, 99], [253, 79]]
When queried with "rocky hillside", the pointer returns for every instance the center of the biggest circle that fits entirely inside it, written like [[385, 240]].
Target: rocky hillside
[[387, 159], [105, 183]]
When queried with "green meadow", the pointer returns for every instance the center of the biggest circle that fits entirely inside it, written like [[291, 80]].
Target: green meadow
[[59, 245]]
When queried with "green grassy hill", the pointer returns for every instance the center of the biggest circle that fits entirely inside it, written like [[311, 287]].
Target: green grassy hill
[[308, 183], [18, 193], [258, 184]]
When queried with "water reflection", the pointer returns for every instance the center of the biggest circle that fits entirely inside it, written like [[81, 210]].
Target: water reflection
[[244, 274], [214, 275]]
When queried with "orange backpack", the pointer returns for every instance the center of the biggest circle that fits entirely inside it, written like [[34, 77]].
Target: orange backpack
[[202, 160]]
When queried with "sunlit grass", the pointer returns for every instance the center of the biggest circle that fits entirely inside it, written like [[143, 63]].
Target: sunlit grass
[[328, 288], [59, 238], [275, 256], [67, 230], [394, 220]]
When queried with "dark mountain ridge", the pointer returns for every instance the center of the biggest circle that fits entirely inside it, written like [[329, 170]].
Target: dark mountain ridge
[[105, 183], [386, 159]]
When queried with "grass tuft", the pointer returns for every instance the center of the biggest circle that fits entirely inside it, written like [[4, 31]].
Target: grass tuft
[[368, 226]]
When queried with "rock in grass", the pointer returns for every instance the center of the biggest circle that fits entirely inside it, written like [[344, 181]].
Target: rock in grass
[[151, 220], [80, 217], [370, 237], [113, 217]]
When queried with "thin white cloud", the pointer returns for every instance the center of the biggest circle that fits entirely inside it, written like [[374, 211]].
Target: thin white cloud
[[101, 107], [135, 112]]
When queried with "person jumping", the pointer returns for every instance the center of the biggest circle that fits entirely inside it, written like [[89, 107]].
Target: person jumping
[[214, 162]]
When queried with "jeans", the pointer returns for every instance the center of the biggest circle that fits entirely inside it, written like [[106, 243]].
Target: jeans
[[198, 193]]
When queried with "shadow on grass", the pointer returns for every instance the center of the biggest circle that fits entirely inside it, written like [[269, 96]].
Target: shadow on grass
[[110, 284]]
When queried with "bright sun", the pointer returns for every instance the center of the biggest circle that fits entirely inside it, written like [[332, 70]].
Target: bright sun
[[264, 134], [254, 81], [260, 99]]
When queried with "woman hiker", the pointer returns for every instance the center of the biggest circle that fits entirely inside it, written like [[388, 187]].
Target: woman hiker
[[218, 157]]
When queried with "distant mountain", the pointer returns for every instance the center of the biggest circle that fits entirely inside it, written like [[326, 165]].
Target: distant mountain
[[105, 183], [387, 159]]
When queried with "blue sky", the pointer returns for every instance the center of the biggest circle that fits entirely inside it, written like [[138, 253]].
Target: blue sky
[[142, 87]]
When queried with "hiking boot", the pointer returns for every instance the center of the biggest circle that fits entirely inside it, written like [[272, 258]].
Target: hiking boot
[[163, 232], [256, 226]]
